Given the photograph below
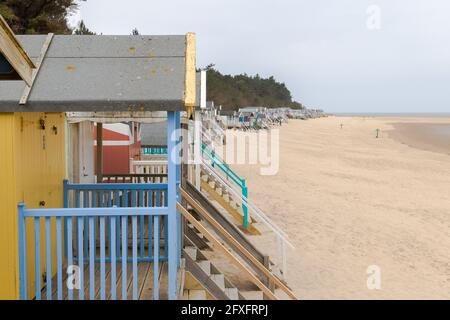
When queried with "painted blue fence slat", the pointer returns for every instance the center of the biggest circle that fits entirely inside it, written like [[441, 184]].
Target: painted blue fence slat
[[95, 204], [156, 260], [112, 248], [66, 205], [124, 257], [166, 235], [91, 259], [141, 204], [117, 204], [102, 259], [37, 253], [59, 294], [158, 198], [77, 205], [135, 258], [22, 252], [69, 251], [150, 199], [150, 237], [80, 256], [48, 253]]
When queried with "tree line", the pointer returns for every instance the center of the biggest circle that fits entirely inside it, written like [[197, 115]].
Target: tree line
[[234, 91]]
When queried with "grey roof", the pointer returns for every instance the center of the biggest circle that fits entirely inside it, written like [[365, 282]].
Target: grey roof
[[154, 134], [102, 73]]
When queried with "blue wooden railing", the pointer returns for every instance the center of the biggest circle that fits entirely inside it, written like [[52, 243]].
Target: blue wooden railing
[[120, 195], [216, 161], [96, 253]]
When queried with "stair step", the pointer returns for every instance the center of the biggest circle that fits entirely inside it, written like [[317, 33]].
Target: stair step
[[226, 197], [201, 236], [232, 293], [253, 295], [205, 265], [205, 178], [191, 252], [219, 279], [194, 295]]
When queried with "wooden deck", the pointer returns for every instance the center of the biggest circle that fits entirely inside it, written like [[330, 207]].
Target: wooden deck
[[145, 282]]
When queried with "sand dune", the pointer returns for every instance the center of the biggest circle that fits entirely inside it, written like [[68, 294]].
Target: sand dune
[[349, 200]]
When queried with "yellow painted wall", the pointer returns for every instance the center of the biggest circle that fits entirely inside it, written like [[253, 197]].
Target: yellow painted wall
[[33, 167], [8, 205]]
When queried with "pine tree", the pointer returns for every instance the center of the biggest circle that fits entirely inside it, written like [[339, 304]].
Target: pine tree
[[38, 16], [82, 29], [233, 92]]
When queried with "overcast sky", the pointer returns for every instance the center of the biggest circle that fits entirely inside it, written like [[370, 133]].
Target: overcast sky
[[342, 56]]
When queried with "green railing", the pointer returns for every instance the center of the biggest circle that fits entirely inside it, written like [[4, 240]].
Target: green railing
[[154, 151], [225, 168]]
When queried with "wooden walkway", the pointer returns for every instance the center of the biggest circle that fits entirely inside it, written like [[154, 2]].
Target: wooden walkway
[[145, 283]]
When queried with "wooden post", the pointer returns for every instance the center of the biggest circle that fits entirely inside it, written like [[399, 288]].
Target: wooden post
[[99, 164], [197, 148], [172, 158], [184, 174]]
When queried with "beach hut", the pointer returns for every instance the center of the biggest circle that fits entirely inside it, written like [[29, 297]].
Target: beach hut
[[121, 142], [88, 78], [96, 235], [154, 140]]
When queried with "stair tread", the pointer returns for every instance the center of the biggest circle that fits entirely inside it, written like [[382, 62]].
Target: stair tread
[[232, 293], [252, 295]]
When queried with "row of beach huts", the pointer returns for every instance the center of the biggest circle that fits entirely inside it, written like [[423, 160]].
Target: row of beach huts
[[255, 118]]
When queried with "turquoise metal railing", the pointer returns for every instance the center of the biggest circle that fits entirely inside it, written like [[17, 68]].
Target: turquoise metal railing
[[96, 277], [216, 161], [154, 151]]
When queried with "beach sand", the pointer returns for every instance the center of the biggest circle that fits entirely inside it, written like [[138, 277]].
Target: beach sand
[[348, 200]]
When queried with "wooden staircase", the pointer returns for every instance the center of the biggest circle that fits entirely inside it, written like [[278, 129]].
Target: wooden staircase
[[232, 243], [206, 277]]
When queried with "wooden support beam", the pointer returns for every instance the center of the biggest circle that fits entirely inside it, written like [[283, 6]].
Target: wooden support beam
[[190, 79], [11, 49], [99, 163], [29, 87]]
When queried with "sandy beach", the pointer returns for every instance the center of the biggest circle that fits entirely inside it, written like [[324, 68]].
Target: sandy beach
[[349, 200]]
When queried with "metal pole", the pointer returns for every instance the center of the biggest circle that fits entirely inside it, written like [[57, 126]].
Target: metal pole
[[244, 206]]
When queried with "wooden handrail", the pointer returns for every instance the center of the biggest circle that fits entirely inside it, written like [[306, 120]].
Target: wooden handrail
[[227, 252], [236, 244]]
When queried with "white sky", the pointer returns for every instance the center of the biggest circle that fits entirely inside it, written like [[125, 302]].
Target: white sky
[[321, 49]]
